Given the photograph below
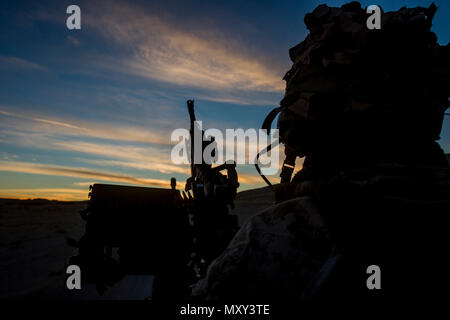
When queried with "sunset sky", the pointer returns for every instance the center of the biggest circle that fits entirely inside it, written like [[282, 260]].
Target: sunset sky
[[99, 104]]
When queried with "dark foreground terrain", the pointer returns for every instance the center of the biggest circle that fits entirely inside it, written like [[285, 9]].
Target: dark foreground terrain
[[33, 248]]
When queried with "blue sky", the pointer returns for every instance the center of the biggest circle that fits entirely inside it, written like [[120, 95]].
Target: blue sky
[[99, 104]]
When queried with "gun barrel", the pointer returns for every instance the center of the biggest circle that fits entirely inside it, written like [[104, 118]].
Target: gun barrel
[[190, 105]]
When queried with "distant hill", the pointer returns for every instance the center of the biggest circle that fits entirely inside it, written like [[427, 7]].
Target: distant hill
[[263, 194], [250, 202], [36, 202]]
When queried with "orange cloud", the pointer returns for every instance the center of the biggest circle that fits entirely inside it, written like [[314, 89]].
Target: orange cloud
[[16, 62], [62, 194], [78, 128], [55, 170], [161, 50], [52, 134]]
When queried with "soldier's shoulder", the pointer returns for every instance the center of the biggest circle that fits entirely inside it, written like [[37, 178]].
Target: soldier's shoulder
[[303, 210], [294, 225]]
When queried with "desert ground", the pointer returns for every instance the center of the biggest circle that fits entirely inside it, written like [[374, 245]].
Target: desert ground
[[33, 248]]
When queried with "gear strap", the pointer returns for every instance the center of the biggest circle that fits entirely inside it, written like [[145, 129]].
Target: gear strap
[[288, 165], [267, 123], [289, 161]]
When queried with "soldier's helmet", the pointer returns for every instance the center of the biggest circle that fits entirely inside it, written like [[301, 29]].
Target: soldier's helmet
[[348, 81]]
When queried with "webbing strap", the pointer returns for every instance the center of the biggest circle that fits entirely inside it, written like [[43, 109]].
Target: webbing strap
[[267, 149], [267, 123]]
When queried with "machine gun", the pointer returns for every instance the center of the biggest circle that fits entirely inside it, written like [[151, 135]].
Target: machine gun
[[168, 233], [213, 193]]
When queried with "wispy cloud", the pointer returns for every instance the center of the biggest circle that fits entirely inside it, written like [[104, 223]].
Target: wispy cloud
[[253, 179], [148, 158], [141, 165], [62, 194], [50, 135], [84, 128], [56, 170], [74, 41], [161, 50], [63, 135], [46, 133], [83, 183], [16, 62]]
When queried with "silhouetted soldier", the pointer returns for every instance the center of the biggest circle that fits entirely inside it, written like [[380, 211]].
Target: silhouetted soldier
[[365, 107]]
